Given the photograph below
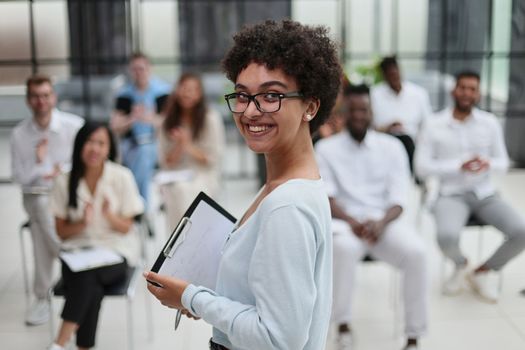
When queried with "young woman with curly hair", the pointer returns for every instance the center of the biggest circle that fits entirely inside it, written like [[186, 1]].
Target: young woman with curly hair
[[274, 287]]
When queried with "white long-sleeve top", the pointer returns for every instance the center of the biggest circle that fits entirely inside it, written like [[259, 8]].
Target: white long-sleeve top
[[365, 178], [410, 107], [274, 286], [445, 143], [25, 137]]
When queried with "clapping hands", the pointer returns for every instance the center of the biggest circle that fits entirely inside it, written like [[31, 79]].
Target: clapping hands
[[475, 165]]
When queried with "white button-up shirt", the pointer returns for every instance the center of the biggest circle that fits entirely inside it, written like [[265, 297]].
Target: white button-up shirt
[[445, 143], [118, 187], [410, 107], [25, 137], [367, 178]]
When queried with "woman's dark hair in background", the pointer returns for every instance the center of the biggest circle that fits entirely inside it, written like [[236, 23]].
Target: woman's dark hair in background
[[305, 53], [77, 165], [173, 108]]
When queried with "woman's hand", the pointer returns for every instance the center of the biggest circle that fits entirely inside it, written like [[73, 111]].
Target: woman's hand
[[106, 208], [189, 315], [88, 214], [181, 135], [170, 293]]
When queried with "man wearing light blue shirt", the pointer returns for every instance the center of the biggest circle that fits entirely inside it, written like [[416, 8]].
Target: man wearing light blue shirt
[[136, 118]]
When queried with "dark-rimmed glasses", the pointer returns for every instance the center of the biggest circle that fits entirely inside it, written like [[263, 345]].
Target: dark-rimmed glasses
[[265, 102]]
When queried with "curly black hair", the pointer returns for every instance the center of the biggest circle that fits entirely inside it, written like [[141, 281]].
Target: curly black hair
[[303, 52]]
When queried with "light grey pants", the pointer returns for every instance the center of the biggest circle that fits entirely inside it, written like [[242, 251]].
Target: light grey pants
[[452, 213], [46, 243]]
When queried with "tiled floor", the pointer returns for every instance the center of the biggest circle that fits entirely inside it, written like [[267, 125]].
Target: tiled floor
[[456, 323]]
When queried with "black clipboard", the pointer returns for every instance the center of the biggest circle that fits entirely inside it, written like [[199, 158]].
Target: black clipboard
[[192, 229]]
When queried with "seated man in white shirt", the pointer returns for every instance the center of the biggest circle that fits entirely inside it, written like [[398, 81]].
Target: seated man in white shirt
[[464, 146], [399, 106], [367, 179], [41, 149]]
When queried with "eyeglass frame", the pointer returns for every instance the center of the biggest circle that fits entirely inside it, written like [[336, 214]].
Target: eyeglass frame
[[280, 96]]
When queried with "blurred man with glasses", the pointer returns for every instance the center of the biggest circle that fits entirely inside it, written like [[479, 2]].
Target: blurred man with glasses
[[40, 150]]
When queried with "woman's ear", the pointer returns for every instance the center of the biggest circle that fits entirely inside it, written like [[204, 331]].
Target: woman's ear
[[311, 109]]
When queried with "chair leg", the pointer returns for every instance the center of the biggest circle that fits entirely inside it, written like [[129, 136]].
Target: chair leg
[[480, 243], [129, 306], [149, 316], [52, 330], [443, 273], [25, 272]]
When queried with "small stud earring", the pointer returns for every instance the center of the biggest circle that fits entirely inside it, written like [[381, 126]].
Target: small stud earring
[[308, 117]]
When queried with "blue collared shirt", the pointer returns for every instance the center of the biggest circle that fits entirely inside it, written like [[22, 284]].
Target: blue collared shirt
[[156, 88]]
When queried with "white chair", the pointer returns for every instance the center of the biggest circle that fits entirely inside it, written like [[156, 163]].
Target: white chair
[[126, 288]]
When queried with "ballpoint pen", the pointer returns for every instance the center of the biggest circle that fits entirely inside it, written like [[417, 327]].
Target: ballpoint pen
[[177, 319]]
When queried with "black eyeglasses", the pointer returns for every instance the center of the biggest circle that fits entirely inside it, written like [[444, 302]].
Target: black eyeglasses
[[265, 102]]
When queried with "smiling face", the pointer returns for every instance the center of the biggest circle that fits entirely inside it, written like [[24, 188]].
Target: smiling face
[[139, 70], [393, 77], [96, 149], [189, 93], [41, 99], [358, 115], [466, 94], [270, 132]]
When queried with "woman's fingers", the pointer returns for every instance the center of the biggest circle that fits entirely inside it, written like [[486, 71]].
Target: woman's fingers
[[188, 314]]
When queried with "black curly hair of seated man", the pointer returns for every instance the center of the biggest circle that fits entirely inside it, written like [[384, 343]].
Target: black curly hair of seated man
[[303, 52]]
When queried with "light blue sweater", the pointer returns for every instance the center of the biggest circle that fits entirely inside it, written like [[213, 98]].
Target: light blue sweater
[[274, 287]]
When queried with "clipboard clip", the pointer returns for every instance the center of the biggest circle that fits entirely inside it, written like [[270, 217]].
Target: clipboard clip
[[168, 251]]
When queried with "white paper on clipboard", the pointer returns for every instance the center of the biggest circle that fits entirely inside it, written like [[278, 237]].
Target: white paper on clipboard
[[193, 251]]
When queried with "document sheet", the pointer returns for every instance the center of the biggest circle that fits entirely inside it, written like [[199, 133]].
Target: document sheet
[[196, 252], [90, 258]]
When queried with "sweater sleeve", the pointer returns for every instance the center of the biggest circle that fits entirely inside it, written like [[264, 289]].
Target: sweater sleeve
[[281, 277]]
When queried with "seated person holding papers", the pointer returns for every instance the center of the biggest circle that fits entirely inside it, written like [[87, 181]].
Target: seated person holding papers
[[274, 282], [94, 206]]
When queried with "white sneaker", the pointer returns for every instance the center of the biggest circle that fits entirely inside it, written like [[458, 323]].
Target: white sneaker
[[38, 313], [485, 285], [456, 282], [344, 341], [55, 346]]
